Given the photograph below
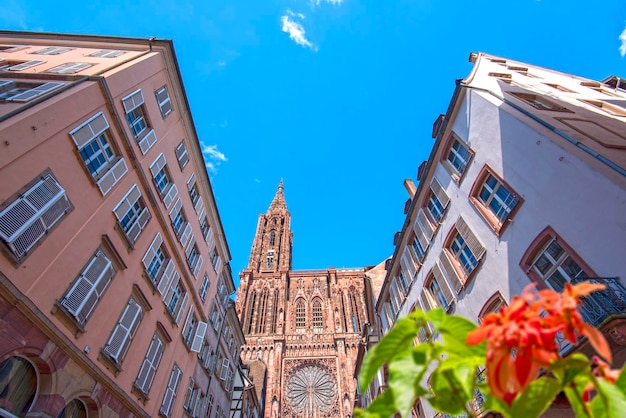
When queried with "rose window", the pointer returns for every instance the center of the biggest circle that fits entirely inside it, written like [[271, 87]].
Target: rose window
[[311, 390]]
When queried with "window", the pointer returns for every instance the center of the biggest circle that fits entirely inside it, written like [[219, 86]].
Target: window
[[150, 364], [19, 65], [181, 227], [272, 238], [300, 314], [194, 193], [20, 91], [93, 140], [609, 108], [457, 158], [216, 317], [437, 202], [439, 288], [69, 68], [194, 259], [133, 106], [464, 248], [419, 249], [191, 401], [550, 261], [493, 305], [163, 99], [204, 287], [106, 53], [83, 296], [170, 393], [424, 232], [123, 333], [163, 182], [32, 214], [182, 155], [408, 269], [158, 265], [206, 356], [132, 214], [205, 227], [176, 298], [270, 259], [540, 102], [216, 260], [495, 200], [318, 320], [194, 331], [354, 310], [19, 383], [52, 51], [75, 409]]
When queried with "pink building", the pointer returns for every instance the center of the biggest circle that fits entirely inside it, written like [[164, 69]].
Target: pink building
[[114, 275], [526, 183]]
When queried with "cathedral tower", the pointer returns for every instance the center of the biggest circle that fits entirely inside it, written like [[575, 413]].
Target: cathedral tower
[[305, 326]]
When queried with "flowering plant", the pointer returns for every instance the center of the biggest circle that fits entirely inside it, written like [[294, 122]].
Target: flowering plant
[[517, 348]]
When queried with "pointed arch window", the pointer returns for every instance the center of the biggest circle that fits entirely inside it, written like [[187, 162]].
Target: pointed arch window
[[274, 312], [354, 310], [272, 238], [262, 311], [251, 312], [300, 314], [318, 320]]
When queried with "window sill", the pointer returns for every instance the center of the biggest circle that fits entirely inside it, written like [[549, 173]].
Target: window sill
[[67, 319], [110, 364], [141, 395]]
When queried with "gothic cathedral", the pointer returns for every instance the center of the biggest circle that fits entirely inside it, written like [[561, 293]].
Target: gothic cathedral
[[304, 326]]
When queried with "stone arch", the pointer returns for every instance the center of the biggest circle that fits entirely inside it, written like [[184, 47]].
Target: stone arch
[[19, 384]]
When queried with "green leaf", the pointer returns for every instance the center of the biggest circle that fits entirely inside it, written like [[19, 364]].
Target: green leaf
[[610, 400], [569, 368], [454, 330], [381, 407], [403, 372], [494, 404], [436, 317], [449, 393], [576, 403], [621, 381], [536, 398], [399, 338]]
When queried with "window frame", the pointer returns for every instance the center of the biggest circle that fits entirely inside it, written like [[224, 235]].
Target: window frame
[[139, 217], [444, 160], [539, 102], [164, 103], [28, 90], [163, 181], [150, 364], [119, 354], [471, 242], [487, 213]]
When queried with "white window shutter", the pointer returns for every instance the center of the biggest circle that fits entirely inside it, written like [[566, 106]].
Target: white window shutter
[[196, 268], [170, 392], [138, 226], [218, 264], [86, 132], [184, 237], [175, 209], [171, 194], [224, 370], [439, 192], [132, 101], [182, 155], [120, 338], [152, 250], [168, 275], [110, 179], [453, 275], [127, 202], [198, 206], [147, 142], [198, 338], [443, 285], [425, 224], [407, 262], [150, 364], [192, 181], [158, 164], [182, 308]]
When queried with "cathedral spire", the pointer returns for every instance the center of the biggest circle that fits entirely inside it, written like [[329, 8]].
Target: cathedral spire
[[278, 203]]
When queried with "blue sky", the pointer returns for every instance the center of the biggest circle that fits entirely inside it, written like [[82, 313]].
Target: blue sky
[[337, 97]]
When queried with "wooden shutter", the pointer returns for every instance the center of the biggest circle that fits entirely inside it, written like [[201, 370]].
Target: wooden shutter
[[420, 235], [425, 224], [443, 285], [127, 202], [470, 239], [158, 164], [407, 263], [152, 250], [171, 194], [132, 101], [89, 130], [198, 338], [168, 275], [425, 299], [124, 330], [181, 310], [150, 365], [453, 275], [439, 192], [170, 392], [111, 177], [29, 217], [182, 155], [165, 105], [84, 295], [147, 141]]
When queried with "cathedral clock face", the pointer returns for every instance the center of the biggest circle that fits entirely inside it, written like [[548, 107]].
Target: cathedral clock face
[[311, 390]]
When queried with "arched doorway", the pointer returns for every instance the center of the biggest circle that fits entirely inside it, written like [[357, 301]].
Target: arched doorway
[[18, 386]]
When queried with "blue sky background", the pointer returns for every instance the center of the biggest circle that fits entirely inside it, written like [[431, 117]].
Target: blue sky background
[[335, 97]]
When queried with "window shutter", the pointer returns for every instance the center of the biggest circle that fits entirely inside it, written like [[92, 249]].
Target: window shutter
[[218, 264], [132, 101], [158, 164], [137, 227], [165, 105], [470, 239], [183, 306], [425, 224], [127, 202], [175, 209], [439, 192], [192, 181], [35, 92], [421, 235], [110, 179], [27, 219], [152, 250], [83, 296], [171, 194], [198, 338], [198, 206], [425, 299], [184, 237], [150, 364], [453, 276], [120, 338], [443, 285], [25, 65], [196, 268], [170, 392], [224, 370], [89, 130], [407, 263], [168, 275], [147, 142], [182, 155], [190, 246]]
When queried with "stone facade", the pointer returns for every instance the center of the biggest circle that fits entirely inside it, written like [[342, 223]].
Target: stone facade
[[305, 326]]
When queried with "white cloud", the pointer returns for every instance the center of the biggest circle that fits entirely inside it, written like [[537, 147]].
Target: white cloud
[[299, 15], [295, 30], [622, 48], [212, 157], [334, 2]]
